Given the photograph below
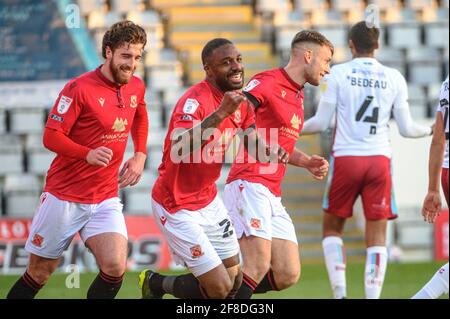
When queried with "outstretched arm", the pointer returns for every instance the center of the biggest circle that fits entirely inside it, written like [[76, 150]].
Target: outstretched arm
[[321, 120], [407, 127]]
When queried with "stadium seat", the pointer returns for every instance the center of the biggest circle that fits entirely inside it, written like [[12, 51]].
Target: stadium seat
[[385, 4], [285, 32], [2, 121], [138, 197], [416, 94], [2, 213], [393, 58], [420, 4], [39, 158], [155, 118], [425, 65], [87, 6], [11, 154], [307, 6], [273, 6], [155, 57], [341, 55], [434, 15], [434, 92], [124, 6], [22, 193], [404, 35], [151, 22], [347, 5], [155, 154], [162, 77], [101, 20], [436, 34], [27, 120], [337, 34]]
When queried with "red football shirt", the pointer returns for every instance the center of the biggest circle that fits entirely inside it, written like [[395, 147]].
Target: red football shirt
[[280, 107], [92, 111], [192, 185]]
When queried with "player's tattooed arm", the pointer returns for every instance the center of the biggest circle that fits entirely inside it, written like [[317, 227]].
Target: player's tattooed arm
[[195, 137]]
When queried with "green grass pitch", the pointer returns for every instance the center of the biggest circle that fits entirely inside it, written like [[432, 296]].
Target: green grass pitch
[[402, 281]]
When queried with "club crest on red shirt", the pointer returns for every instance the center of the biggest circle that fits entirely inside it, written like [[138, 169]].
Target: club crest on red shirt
[[196, 251]]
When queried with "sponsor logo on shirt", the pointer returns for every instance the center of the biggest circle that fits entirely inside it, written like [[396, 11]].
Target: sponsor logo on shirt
[[101, 101], [251, 85], [133, 101], [37, 240], [163, 220], [283, 94], [190, 106], [56, 118], [196, 251], [295, 122], [64, 104], [119, 125]]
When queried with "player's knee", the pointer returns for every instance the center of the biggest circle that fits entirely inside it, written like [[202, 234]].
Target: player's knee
[[114, 268], [40, 276], [220, 289], [260, 270], [287, 278]]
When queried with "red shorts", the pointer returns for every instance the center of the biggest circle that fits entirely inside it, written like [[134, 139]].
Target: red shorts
[[368, 176], [444, 180]]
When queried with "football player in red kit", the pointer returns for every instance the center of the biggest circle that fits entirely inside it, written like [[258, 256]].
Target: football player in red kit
[[88, 129]]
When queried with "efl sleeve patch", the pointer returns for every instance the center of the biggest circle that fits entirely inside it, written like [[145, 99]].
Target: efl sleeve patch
[[190, 106], [251, 85], [64, 104]]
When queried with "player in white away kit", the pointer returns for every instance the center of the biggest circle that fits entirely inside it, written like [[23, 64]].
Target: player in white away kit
[[437, 168], [363, 93]]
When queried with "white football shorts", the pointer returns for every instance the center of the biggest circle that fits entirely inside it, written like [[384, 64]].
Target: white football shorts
[[56, 222], [200, 239], [256, 211]]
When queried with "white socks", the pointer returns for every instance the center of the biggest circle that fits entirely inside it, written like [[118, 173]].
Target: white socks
[[333, 248], [437, 286], [376, 263]]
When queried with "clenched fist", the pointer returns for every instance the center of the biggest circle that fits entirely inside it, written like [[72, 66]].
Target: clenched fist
[[101, 156], [230, 103]]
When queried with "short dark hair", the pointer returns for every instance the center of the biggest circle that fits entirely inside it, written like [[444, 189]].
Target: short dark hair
[[364, 39], [211, 46], [123, 32], [311, 36]]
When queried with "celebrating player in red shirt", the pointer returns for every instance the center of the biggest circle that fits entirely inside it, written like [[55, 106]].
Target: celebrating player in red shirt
[[185, 202], [267, 236], [88, 129]]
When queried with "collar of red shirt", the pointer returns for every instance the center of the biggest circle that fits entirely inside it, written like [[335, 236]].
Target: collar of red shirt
[[295, 84], [109, 83], [215, 90]]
